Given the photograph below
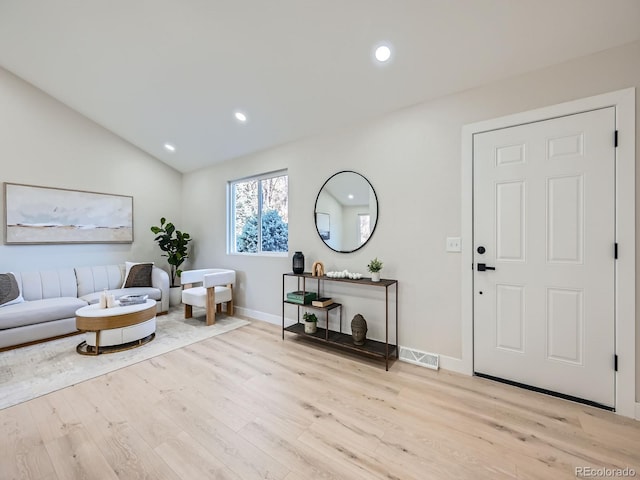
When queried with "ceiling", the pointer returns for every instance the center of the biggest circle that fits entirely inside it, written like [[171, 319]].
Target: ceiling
[[157, 71]]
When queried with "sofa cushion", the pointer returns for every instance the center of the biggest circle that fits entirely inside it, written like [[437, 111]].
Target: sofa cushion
[[39, 311], [97, 278], [48, 284], [197, 296], [9, 290], [137, 275], [154, 293]]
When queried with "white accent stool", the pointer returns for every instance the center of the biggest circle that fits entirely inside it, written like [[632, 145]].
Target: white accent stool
[[216, 288]]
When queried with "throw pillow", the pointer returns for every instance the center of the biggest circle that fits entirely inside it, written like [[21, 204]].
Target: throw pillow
[[9, 290], [137, 275]]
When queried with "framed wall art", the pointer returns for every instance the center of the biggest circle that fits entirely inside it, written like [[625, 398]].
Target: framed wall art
[[323, 223], [42, 215]]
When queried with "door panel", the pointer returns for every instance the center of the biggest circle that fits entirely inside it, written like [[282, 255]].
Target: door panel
[[510, 317], [565, 325], [544, 209], [565, 222], [510, 221]]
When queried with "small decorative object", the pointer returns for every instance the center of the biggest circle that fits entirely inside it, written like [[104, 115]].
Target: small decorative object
[[310, 322], [298, 262], [174, 243], [317, 270], [103, 299], [132, 299], [344, 274], [359, 329], [374, 267], [111, 301]]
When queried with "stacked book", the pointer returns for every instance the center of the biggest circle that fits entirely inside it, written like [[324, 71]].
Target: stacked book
[[322, 302], [301, 297]]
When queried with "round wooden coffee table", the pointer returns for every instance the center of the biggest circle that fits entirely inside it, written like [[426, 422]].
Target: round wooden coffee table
[[115, 329]]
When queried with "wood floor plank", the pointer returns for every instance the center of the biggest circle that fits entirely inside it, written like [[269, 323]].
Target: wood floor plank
[[248, 405], [190, 460], [305, 461], [22, 451], [75, 455], [128, 455], [238, 454]]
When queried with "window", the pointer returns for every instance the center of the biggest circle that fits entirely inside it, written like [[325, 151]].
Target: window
[[259, 214]]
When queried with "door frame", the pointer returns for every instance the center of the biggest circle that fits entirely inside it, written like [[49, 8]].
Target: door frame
[[625, 295]]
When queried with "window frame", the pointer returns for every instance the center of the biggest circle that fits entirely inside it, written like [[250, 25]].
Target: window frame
[[231, 214]]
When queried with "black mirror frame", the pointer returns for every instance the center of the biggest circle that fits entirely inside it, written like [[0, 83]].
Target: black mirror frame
[[315, 206]]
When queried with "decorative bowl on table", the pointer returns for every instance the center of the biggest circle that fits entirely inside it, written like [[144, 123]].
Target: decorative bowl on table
[[132, 299]]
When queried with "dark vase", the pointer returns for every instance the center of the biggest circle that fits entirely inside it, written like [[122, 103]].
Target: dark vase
[[298, 262]]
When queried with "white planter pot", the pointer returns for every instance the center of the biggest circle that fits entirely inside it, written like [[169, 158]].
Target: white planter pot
[[375, 276], [310, 327], [175, 296]]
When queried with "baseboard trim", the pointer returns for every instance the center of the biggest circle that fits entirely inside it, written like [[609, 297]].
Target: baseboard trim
[[453, 365], [264, 317], [637, 411]]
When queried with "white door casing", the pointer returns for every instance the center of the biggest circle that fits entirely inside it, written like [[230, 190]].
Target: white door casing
[[625, 303], [544, 210]]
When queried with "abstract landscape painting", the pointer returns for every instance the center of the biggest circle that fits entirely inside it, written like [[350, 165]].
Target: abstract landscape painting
[[36, 215]]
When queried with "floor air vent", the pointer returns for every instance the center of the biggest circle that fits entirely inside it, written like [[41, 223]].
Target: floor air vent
[[424, 359]]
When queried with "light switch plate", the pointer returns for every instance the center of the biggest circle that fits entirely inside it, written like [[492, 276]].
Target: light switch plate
[[454, 244]]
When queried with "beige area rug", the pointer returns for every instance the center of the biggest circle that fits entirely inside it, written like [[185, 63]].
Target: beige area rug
[[30, 372]]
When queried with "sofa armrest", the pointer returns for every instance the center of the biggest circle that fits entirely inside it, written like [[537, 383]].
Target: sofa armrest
[[160, 280]]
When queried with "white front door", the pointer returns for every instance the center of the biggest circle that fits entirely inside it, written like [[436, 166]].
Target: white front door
[[544, 218]]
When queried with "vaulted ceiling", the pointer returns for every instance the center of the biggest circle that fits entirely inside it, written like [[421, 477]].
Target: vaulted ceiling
[[176, 71]]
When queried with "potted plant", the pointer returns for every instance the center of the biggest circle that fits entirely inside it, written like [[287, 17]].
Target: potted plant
[[174, 243], [374, 267], [310, 322]]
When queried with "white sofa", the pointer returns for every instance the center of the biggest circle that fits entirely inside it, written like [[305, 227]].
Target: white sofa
[[53, 296]]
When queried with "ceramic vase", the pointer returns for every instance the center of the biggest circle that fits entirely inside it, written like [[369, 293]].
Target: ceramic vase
[[298, 262]]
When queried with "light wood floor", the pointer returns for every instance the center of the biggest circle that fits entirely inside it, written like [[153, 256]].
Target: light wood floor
[[246, 405]]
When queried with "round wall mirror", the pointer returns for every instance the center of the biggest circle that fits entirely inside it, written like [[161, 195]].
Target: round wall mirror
[[346, 212]]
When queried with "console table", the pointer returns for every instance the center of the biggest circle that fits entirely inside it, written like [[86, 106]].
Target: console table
[[372, 348]]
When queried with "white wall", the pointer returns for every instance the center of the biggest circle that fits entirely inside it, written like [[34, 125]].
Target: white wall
[[46, 143], [412, 158]]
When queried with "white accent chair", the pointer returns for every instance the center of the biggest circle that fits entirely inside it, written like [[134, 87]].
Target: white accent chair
[[216, 288]]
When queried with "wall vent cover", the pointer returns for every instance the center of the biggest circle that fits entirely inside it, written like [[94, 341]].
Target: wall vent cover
[[424, 359]]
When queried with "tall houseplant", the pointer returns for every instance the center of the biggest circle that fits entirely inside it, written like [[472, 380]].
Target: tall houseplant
[[174, 243]]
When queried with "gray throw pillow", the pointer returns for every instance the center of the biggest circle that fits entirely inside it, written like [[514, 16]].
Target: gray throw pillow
[[9, 290], [139, 275]]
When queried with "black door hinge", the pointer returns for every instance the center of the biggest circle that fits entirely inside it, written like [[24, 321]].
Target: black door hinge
[[615, 250], [615, 138], [615, 362]]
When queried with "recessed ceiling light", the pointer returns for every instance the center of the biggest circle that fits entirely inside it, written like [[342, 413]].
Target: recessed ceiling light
[[383, 53], [241, 117], [350, 196], [169, 148]]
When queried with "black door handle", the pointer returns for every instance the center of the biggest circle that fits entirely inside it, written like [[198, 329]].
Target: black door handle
[[483, 266]]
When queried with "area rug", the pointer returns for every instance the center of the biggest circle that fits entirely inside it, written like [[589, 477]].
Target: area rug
[[30, 372]]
